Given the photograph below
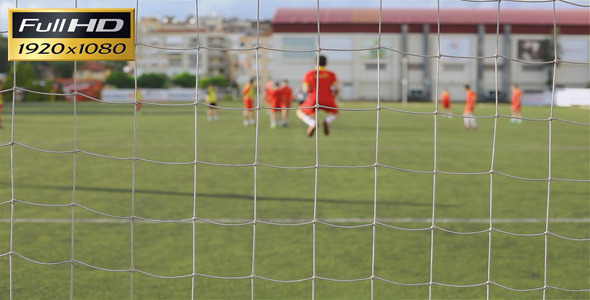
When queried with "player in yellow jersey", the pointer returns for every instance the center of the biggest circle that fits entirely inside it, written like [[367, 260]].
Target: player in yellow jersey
[[139, 98], [212, 112], [249, 93]]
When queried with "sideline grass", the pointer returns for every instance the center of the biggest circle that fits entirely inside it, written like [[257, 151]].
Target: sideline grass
[[284, 185]]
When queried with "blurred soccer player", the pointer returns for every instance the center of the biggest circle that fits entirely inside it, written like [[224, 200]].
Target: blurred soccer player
[[212, 112], [139, 98], [326, 84], [516, 105], [445, 100], [275, 102], [268, 90], [287, 98], [470, 100], [249, 93]]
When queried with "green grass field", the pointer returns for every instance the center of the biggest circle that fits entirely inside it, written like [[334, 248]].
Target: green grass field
[[270, 175]]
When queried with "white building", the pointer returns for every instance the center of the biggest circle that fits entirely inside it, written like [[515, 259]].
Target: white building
[[171, 46], [406, 56]]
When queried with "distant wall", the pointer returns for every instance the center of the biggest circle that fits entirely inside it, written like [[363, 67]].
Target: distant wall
[[563, 97], [162, 95], [151, 95]]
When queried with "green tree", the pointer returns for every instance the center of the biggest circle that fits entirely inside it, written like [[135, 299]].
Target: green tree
[[120, 80], [26, 78], [218, 80], [152, 80], [185, 80], [4, 64], [115, 65], [63, 69]]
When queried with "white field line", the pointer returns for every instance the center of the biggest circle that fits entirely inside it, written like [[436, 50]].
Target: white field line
[[297, 221]]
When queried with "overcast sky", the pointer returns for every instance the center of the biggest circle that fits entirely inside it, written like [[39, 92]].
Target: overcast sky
[[250, 9]]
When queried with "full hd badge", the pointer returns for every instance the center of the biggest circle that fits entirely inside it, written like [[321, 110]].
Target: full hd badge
[[71, 34]]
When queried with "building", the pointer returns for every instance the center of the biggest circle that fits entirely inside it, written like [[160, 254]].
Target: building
[[172, 46], [255, 58], [223, 47], [407, 57]]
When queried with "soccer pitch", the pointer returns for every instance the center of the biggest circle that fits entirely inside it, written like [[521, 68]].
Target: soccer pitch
[[279, 216]]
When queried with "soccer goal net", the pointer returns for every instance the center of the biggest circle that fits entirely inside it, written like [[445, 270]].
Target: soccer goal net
[[454, 162]]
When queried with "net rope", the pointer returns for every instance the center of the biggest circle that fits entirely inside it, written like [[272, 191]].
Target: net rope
[[436, 224]]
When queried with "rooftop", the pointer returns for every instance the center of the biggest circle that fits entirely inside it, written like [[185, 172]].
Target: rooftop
[[577, 17]]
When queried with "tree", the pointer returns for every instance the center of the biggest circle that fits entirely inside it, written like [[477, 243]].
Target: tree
[[120, 80], [4, 65], [152, 80], [26, 78], [218, 80], [63, 69], [185, 80]]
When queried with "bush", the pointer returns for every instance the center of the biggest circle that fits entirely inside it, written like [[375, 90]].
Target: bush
[[218, 80], [152, 80], [26, 78], [120, 80], [185, 80]]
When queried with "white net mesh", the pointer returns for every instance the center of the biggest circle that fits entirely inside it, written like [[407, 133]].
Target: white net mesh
[[364, 245]]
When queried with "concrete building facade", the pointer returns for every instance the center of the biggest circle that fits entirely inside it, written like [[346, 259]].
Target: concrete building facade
[[220, 47], [405, 57]]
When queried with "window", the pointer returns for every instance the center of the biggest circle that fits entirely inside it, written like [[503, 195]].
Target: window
[[299, 43], [532, 68], [454, 67], [375, 66]]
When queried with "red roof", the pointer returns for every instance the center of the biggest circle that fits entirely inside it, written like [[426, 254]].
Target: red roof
[[430, 16]]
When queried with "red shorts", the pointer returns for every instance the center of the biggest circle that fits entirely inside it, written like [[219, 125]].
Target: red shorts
[[516, 108], [286, 103], [275, 104], [248, 103], [329, 106], [446, 103]]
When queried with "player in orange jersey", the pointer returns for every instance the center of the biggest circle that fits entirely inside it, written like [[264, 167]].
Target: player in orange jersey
[[470, 101], [287, 98], [323, 85], [516, 105], [445, 100], [249, 93]]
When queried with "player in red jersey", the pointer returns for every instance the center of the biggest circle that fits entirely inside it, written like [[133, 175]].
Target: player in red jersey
[[323, 85], [275, 102], [268, 89], [287, 98], [445, 100], [249, 93], [516, 105], [470, 100]]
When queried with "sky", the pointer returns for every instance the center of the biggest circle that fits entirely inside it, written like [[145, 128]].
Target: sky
[[251, 9]]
